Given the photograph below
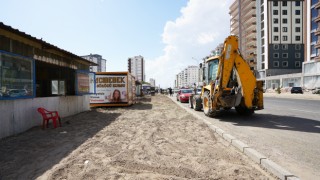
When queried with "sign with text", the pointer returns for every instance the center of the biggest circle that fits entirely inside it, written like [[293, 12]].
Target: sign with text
[[110, 89]]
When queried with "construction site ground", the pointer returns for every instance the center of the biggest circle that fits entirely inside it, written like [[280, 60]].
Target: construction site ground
[[153, 139]]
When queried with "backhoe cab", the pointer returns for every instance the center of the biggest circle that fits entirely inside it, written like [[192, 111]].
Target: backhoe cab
[[229, 83]]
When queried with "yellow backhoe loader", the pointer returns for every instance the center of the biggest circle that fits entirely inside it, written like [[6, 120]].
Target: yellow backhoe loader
[[228, 82]]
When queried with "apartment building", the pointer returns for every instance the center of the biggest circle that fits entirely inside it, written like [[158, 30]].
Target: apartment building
[[152, 82], [187, 77], [96, 58], [136, 66], [243, 24], [311, 67]]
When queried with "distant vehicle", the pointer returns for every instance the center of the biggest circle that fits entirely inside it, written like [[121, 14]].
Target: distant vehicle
[[184, 94], [296, 90], [316, 90]]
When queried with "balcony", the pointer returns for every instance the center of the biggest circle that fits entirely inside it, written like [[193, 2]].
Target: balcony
[[317, 32], [317, 18], [317, 45], [317, 6], [247, 3], [250, 18]]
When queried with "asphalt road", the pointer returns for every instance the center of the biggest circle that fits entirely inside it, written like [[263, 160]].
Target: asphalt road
[[287, 131]]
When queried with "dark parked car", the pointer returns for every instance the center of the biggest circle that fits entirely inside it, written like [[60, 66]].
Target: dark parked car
[[296, 90]]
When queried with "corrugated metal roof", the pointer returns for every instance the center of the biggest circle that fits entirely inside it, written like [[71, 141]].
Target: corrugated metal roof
[[43, 43]]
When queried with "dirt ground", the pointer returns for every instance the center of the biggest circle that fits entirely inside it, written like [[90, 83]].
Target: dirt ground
[[153, 139]]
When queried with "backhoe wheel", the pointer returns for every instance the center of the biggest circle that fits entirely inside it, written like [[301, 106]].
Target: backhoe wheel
[[243, 110], [197, 103], [191, 101], [207, 105]]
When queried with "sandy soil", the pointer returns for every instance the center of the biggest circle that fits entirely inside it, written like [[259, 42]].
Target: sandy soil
[[154, 139]]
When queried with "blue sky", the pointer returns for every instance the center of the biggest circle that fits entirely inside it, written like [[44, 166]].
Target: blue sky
[[168, 33]]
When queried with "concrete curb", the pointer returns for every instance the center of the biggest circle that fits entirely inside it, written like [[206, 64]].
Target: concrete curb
[[254, 155]]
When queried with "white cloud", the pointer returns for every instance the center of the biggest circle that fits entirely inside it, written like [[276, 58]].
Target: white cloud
[[202, 26]]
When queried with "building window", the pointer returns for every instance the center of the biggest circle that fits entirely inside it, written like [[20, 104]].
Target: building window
[[284, 63], [297, 20], [284, 20], [58, 87], [275, 12], [284, 3], [285, 38], [284, 12], [297, 29], [276, 38], [275, 55], [284, 46], [297, 47], [297, 64], [297, 38], [284, 29], [275, 20], [297, 3], [275, 3], [276, 46], [284, 55], [276, 29], [297, 12], [297, 55], [275, 63]]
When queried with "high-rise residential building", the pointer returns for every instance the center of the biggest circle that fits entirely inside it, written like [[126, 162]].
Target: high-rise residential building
[[96, 58], [152, 82], [311, 66], [188, 77], [136, 66], [243, 24], [281, 26]]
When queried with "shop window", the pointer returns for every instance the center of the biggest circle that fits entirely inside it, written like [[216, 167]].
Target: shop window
[[58, 87], [16, 76]]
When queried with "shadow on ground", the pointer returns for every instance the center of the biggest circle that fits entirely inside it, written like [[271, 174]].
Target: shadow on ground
[[30, 154]]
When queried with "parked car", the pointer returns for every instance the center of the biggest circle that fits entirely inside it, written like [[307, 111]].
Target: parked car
[[296, 90], [184, 94], [316, 90]]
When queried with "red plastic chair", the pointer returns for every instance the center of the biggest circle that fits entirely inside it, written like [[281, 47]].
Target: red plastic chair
[[49, 115]]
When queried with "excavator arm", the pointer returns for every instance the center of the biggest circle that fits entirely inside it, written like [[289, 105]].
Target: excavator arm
[[231, 59]]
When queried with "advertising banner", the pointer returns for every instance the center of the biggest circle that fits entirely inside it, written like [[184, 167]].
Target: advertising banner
[[110, 89], [85, 82]]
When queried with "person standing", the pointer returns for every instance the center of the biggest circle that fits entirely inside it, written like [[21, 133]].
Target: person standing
[[170, 91]]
